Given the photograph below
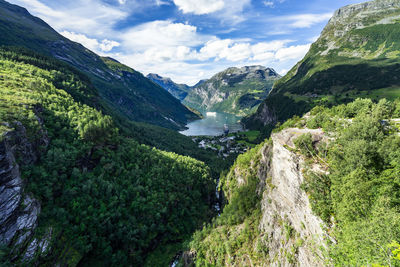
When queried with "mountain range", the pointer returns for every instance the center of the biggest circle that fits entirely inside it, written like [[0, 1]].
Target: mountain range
[[238, 91]]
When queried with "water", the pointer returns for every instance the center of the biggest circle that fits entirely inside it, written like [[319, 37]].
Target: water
[[213, 124]]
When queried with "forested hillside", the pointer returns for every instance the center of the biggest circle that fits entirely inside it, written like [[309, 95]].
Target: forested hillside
[[104, 198], [129, 94], [347, 161]]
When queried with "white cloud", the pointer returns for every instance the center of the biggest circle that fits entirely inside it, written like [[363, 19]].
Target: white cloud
[[305, 20], [292, 52], [93, 44], [228, 11], [272, 3], [199, 7], [162, 3], [187, 56], [268, 3], [161, 34], [91, 17], [122, 2]]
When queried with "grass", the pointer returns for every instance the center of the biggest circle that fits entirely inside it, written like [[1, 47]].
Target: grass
[[251, 135]]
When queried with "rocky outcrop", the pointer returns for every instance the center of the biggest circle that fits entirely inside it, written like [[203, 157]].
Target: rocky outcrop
[[266, 115], [359, 16], [19, 210], [293, 234]]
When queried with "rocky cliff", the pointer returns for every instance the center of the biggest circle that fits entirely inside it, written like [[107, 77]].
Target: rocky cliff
[[276, 226], [19, 211], [295, 234], [235, 90]]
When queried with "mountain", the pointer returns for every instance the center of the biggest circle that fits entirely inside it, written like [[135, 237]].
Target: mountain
[[357, 55], [126, 91], [179, 91], [235, 90]]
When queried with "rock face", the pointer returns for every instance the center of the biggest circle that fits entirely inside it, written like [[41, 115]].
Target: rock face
[[18, 210], [287, 218], [235, 90], [179, 91], [358, 16]]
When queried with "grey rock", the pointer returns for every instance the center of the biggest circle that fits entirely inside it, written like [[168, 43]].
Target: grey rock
[[18, 210], [287, 202]]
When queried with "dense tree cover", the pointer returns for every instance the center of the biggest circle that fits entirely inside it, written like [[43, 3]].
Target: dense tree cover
[[108, 199], [359, 196], [233, 238], [81, 89]]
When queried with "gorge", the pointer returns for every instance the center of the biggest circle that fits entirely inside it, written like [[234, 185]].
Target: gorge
[[101, 165]]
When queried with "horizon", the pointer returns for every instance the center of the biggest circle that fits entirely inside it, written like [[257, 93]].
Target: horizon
[[187, 40]]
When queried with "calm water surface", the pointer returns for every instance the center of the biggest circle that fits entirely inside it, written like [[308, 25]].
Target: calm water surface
[[213, 124]]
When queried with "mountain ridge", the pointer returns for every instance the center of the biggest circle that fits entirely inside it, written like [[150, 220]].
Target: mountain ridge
[[127, 91], [179, 91]]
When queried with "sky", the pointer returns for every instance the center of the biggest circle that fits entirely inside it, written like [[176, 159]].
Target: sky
[[190, 40]]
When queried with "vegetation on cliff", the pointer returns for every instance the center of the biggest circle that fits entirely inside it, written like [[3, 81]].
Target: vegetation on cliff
[[358, 196]]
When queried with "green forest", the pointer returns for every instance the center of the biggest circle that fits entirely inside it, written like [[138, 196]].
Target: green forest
[[108, 199]]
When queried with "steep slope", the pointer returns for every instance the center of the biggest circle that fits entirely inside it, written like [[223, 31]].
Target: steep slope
[[72, 188], [357, 55], [123, 89], [322, 191], [268, 220], [179, 91], [236, 90]]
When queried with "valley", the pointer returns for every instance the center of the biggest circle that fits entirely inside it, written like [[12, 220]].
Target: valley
[[101, 165]]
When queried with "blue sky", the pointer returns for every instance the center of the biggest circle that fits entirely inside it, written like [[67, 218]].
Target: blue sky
[[189, 40]]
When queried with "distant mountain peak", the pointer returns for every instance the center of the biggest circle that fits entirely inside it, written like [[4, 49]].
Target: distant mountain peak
[[236, 90], [179, 91]]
